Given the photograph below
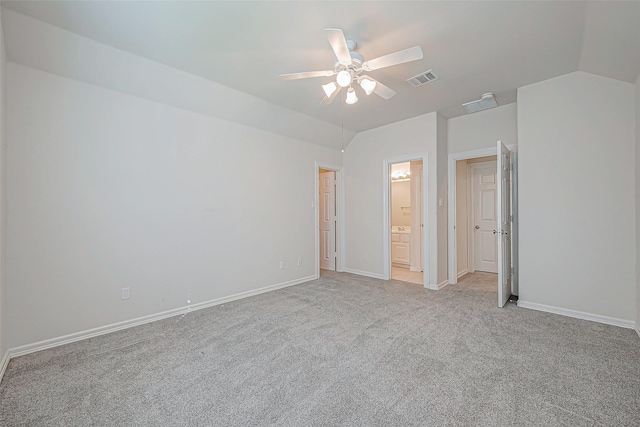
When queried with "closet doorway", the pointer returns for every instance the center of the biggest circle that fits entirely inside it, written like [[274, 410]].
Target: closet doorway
[[328, 213], [483, 217]]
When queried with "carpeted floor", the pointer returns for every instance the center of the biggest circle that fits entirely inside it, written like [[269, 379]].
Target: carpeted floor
[[340, 350]]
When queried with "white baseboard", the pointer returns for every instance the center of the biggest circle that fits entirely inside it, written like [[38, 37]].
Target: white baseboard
[[578, 314], [462, 273], [438, 286], [3, 364], [364, 273], [102, 330]]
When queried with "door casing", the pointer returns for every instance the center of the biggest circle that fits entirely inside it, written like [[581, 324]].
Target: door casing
[[386, 214], [328, 219], [451, 214]]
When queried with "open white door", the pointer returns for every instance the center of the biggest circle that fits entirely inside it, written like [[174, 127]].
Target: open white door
[[327, 201], [504, 224]]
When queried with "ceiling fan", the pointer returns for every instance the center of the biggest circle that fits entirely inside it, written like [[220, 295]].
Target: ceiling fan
[[349, 67]]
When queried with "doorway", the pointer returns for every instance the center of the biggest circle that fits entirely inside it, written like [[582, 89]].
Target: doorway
[[406, 238], [404, 219], [472, 244], [328, 214]]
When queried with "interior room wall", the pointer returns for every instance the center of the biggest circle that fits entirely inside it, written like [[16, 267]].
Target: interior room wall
[[576, 193], [483, 129], [442, 202], [49, 48], [400, 201], [108, 190], [363, 167]]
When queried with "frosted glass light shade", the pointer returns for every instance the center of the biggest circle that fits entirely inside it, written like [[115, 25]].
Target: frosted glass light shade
[[351, 96], [368, 85], [343, 78], [329, 88]]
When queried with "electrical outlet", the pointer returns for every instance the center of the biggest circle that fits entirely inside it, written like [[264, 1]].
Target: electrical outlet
[[364, 256], [299, 262], [126, 293], [281, 265]]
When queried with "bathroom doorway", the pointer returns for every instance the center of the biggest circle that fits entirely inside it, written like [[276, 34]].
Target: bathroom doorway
[[406, 224]]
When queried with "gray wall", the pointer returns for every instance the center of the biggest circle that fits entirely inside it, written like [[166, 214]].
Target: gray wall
[[577, 192]]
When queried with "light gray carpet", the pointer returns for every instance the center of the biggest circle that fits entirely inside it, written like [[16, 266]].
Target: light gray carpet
[[340, 350]]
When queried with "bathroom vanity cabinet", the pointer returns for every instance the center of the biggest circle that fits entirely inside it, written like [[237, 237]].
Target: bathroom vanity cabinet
[[401, 249]]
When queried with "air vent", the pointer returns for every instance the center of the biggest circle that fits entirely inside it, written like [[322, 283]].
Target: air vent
[[422, 78]]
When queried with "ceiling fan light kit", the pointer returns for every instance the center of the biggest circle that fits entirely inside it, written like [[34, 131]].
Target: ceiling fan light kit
[[351, 96], [344, 78], [350, 64], [329, 88], [368, 85]]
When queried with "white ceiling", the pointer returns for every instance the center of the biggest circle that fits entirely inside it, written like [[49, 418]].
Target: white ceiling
[[474, 46]]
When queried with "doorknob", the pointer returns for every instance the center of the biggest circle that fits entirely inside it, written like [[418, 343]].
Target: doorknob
[[494, 231], [477, 227]]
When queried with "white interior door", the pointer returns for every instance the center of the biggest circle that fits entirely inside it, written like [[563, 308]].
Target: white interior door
[[504, 224], [327, 202], [485, 225]]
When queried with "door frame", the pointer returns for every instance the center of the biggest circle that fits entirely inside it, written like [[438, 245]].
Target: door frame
[[471, 211], [386, 214], [339, 215], [451, 196]]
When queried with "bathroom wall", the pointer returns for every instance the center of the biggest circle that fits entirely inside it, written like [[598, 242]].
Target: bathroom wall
[[400, 203]]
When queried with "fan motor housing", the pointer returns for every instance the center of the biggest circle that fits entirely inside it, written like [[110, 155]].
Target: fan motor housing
[[356, 62]]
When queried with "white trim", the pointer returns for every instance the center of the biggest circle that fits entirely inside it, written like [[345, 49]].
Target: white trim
[[3, 364], [451, 220], [386, 217], [339, 215], [364, 273], [102, 330], [438, 286], [451, 196], [578, 314], [462, 273]]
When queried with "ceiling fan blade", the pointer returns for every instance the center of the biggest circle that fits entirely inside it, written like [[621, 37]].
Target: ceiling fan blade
[[305, 75], [329, 99], [339, 45], [382, 90], [407, 55]]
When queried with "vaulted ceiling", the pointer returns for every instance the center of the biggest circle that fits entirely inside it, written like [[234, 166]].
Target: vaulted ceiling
[[474, 47]]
